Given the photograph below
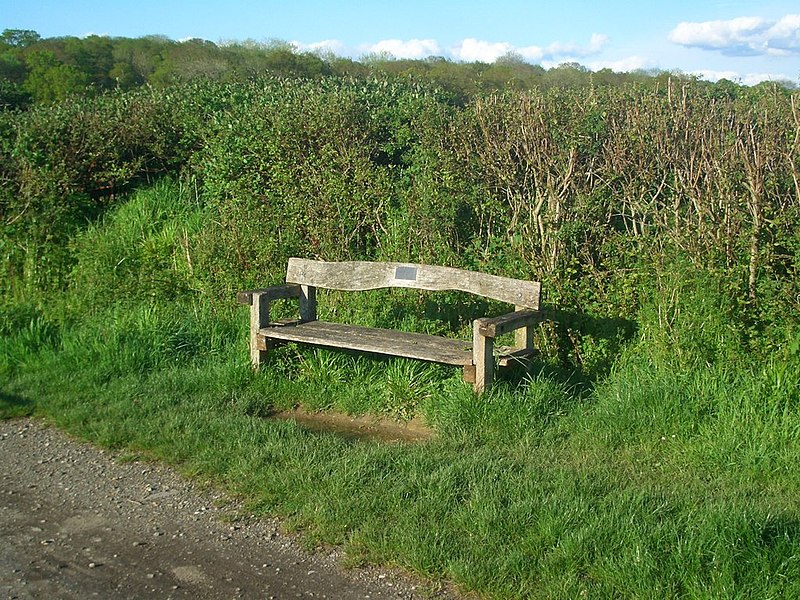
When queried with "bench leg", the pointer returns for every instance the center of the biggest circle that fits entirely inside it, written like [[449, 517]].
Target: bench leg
[[482, 357], [523, 337], [308, 303], [259, 318]]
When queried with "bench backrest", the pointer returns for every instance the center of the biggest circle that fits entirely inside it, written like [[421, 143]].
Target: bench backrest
[[360, 276]]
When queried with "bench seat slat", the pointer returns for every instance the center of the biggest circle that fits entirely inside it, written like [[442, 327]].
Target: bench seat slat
[[379, 341]]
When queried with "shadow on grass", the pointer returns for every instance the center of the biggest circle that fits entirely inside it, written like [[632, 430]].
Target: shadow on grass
[[778, 532], [583, 349], [588, 343], [12, 406]]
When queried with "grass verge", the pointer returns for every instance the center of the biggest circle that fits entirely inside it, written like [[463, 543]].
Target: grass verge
[[675, 476], [655, 484]]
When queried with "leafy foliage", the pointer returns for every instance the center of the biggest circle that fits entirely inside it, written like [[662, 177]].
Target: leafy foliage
[[602, 193], [662, 219], [63, 165]]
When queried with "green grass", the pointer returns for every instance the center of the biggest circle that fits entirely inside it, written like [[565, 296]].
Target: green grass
[[656, 484], [674, 476]]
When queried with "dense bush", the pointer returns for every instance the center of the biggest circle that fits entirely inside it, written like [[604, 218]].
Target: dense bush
[[311, 169], [616, 197], [61, 166]]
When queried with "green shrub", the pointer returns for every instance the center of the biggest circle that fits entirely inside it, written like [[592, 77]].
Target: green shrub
[[140, 251], [63, 165], [24, 331]]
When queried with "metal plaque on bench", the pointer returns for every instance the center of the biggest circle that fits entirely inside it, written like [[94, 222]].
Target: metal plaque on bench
[[406, 273]]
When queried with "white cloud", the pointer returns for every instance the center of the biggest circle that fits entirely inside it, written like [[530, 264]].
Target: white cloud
[[532, 54], [413, 49], [755, 78], [743, 36], [334, 46], [598, 42], [711, 75], [746, 79], [623, 65], [473, 50], [468, 50]]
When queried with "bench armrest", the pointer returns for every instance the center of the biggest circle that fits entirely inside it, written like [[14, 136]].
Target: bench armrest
[[275, 292], [494, 326]]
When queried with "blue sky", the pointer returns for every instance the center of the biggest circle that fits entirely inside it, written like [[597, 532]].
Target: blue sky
[[744, 40]]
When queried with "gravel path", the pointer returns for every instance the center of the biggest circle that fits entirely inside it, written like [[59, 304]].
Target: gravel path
[[76, 523]]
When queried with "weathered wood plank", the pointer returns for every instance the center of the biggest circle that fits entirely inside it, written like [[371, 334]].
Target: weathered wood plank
[[469, 373], [495, 326], [308, 303], [276, 292], [359, 276], [259, 317], [523, 337], [482, 357], [378, 341]]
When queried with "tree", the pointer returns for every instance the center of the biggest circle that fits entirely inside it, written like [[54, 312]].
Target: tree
[[12, 95], [92, 56], [19, 38], [511, 71], [188, 60], [568, 75], [11, 67], [50, 80], [135, 60]]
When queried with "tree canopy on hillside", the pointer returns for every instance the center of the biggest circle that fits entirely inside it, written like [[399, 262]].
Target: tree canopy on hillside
[[42, 70]]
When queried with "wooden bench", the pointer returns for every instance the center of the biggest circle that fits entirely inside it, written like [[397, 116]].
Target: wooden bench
[[303, 277]]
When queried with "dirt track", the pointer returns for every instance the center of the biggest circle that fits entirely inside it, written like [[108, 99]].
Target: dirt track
[[76, 523]]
